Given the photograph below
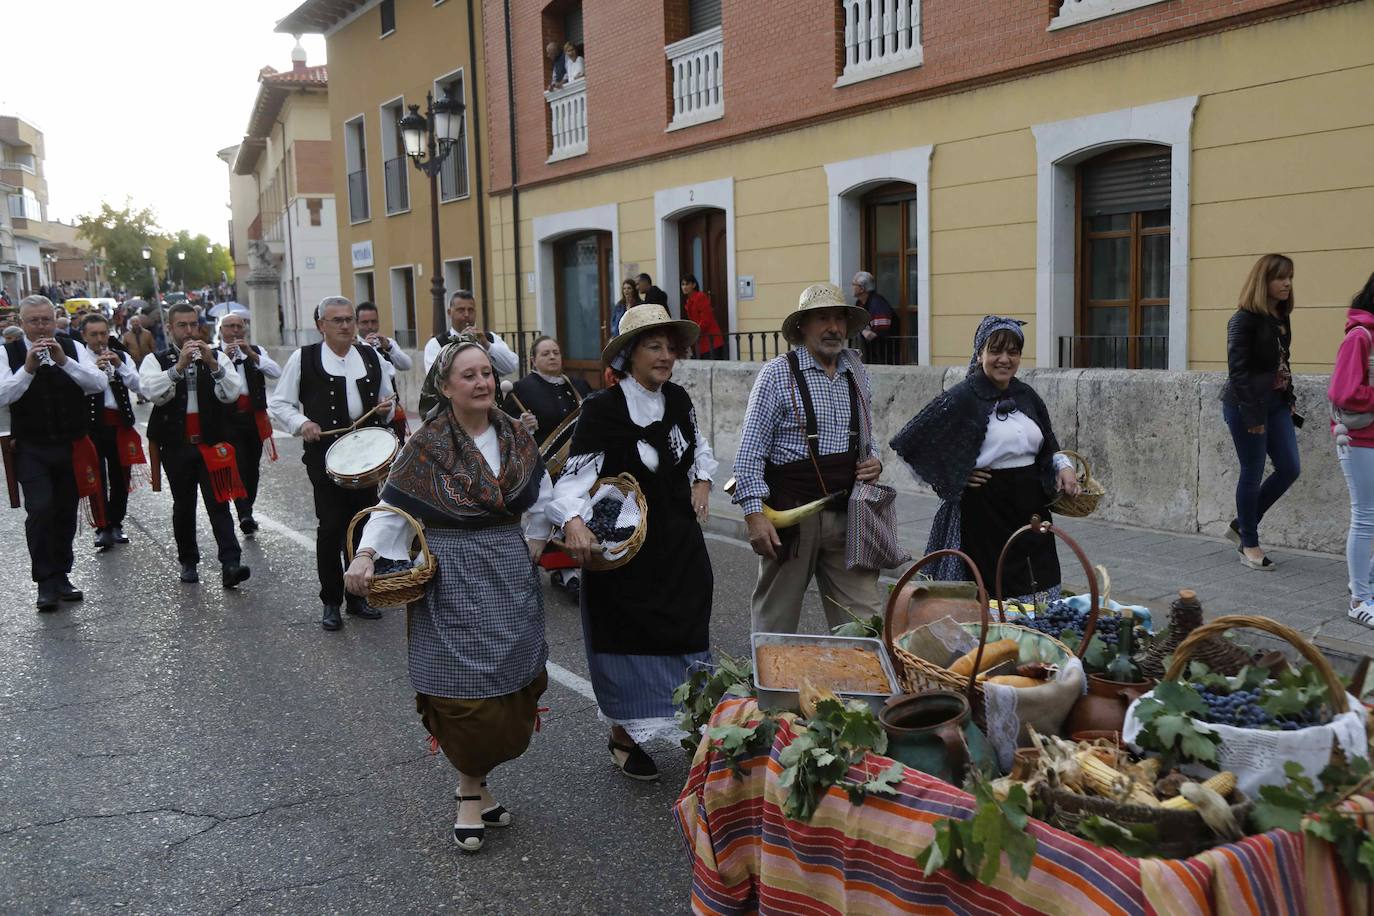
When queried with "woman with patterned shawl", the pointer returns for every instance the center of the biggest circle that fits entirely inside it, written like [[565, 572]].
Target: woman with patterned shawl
[[647, 623], [988, 450], [476, 648]]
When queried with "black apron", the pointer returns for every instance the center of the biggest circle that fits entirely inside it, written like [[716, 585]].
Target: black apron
[[990, 514]]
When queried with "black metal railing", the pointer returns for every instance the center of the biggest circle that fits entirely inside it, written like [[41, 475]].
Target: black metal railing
[[756, 346], [397, 188], [358, 208], [1104, 351], [761, 346], [520, 342], [453, 175]]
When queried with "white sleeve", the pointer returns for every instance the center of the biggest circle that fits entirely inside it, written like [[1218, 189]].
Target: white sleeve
[[227, 385], [572, 493], [85, 372], [267, 365], [13, 384], [157, 385], [704, 464], [400, 358], [284, 404], [537, 525], [388, 534], [431, 353], [129, 374], [1062, 462], [385, 390], [503, 358]]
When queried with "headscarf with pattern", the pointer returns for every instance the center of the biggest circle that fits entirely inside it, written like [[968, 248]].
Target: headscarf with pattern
[[990, 325]]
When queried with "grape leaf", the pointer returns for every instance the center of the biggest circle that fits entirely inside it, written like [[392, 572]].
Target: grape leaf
[[1138, 840], [1180, 698], [1285, 702]]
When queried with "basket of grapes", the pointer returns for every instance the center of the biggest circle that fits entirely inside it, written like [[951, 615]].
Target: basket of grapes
[[620, 520], [1254, 722]]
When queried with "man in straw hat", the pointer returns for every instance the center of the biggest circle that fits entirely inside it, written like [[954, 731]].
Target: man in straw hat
[[799, 443]]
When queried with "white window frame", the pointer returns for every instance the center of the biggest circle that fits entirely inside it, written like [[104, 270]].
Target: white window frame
[[387, 127], [847, 182], [415, 276], [467, 157], [1059, 148], [360, 119], [357, 289], [1076, 12], [671, 205], [391, 31], [450, 289], [548, 230]]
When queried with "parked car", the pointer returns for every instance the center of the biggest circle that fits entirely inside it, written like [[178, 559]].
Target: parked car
[[171, 299]]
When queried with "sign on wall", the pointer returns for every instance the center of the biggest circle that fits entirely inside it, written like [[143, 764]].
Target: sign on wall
[[362, 254]]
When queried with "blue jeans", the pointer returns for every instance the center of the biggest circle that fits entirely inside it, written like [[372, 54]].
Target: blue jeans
[[1358, 466], [1279, 441]]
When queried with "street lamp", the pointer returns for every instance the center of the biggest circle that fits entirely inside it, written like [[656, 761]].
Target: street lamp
[[428, 140], [152, 272], [181, 257]]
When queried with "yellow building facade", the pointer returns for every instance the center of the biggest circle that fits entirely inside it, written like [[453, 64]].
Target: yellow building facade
[[1265, 131]]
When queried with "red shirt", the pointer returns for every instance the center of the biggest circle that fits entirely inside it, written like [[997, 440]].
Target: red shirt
[[698, 309]]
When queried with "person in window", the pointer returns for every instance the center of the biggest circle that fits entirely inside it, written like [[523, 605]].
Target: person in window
[[696, 306], [576, 64], [648, 293], [646, 623], [1257, 401], [560, 65], [1351, 393], [878, 349], [988, 450], [629, 298]]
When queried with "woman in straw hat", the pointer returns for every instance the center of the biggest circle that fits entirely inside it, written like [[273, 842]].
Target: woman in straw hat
[[476, 647], [647, 622]]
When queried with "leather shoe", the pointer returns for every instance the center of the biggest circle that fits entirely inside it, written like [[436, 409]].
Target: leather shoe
[[68, 592], [248, 525], [104, 539], [47, 597], [358, 607], [331, 619], [234, 573], [188, 573], [119, 538]]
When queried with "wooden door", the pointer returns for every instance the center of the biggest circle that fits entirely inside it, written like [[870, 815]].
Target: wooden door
[[702, 253], [586, 289]]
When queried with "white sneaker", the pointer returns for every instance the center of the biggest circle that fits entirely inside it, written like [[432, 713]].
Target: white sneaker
[[1363, 613]]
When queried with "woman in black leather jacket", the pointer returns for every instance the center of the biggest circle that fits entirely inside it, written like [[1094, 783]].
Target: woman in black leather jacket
[[1258, 402]]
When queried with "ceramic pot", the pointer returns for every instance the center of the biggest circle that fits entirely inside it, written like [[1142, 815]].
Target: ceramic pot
[[1103, 708], [933, 732]]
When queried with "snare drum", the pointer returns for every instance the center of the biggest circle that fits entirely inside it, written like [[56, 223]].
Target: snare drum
[[362, 458]]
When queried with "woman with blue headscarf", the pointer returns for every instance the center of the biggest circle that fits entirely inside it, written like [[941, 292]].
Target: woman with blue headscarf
[[987, 448]]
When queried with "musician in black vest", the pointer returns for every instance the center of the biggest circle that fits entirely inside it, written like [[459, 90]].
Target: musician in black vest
[[325, 387], [192, 388], [250, 427], [112, 426], [44, 382]]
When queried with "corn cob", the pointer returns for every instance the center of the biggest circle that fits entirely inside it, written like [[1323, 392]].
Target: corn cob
[[1107, 782], [1224, 783]]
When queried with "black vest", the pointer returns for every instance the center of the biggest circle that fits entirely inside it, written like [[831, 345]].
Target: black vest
[[324, 396], [53, 410], [167, 424], [257, 382], [96, 402]]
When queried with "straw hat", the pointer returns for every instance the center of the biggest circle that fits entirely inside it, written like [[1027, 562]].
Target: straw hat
[[641, 318], [822, 296]]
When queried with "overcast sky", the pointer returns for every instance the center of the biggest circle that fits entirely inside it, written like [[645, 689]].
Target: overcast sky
[[134, 98]]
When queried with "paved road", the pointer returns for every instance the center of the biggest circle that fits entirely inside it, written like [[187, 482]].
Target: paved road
[[167, 748]]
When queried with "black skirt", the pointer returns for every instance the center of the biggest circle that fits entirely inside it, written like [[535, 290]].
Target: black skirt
[[990, 514]]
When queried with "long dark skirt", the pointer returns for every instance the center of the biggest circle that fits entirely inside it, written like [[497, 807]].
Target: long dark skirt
[[990, 514]]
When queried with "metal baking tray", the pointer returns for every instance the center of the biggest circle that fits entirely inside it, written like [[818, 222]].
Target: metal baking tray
[[789, 700]]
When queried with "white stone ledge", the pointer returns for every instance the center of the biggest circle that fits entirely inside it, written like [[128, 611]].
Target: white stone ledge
[[1074, 12]]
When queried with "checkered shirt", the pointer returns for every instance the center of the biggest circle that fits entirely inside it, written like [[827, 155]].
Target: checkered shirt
[[775, 424], [479, 630]]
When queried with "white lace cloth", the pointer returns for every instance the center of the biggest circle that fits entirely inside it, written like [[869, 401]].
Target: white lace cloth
[[1003, 717], [644, 730]]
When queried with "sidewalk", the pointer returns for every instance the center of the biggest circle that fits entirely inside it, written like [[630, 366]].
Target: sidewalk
[[1306, 591]]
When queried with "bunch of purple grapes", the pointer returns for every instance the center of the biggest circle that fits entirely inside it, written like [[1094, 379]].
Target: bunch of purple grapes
[[604, 515], [1242, 709], [1060, 617]]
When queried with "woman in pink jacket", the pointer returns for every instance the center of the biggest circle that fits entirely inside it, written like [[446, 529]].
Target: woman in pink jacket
[[1352, 403]]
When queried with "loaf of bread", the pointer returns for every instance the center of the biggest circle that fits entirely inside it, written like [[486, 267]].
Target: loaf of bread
[[994, 653], [1015, 680], [842, 668]]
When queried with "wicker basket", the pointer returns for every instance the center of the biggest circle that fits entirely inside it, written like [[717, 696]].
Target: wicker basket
[[1085, 503], [1339, 703], [627, 485], [1181, 833], [399, 588]]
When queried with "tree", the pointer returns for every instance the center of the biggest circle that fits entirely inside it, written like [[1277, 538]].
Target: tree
[[123, 233]]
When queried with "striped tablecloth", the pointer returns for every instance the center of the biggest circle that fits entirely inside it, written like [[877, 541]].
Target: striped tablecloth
[[748, 858]]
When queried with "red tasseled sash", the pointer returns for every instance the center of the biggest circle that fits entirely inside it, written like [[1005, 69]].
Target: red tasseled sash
[[86, 469], [219, 462]]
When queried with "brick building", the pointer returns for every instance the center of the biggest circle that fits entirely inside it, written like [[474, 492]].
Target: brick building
[[1107, 170]]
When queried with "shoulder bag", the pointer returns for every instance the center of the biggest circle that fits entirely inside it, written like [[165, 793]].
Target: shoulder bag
[[871, 539]]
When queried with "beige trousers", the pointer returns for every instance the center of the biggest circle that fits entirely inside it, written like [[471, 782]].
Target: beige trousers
[[778, 593]]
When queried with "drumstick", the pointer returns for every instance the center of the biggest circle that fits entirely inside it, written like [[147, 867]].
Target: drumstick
[[346, 429], [507, 390]]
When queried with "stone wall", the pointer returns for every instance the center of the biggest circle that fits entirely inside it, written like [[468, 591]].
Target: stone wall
[[1156, 441]]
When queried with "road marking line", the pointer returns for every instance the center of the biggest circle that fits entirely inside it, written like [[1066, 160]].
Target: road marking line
[[557, 672]]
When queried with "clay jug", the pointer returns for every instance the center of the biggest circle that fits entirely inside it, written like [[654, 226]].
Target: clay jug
[[1103, 708], [933, 732]]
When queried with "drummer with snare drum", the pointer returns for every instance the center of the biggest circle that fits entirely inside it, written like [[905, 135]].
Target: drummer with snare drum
[[327, 389], [191, 388]]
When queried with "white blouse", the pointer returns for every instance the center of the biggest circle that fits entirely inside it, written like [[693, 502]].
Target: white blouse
[[1014, 443], [390, 535], [570, 494]]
